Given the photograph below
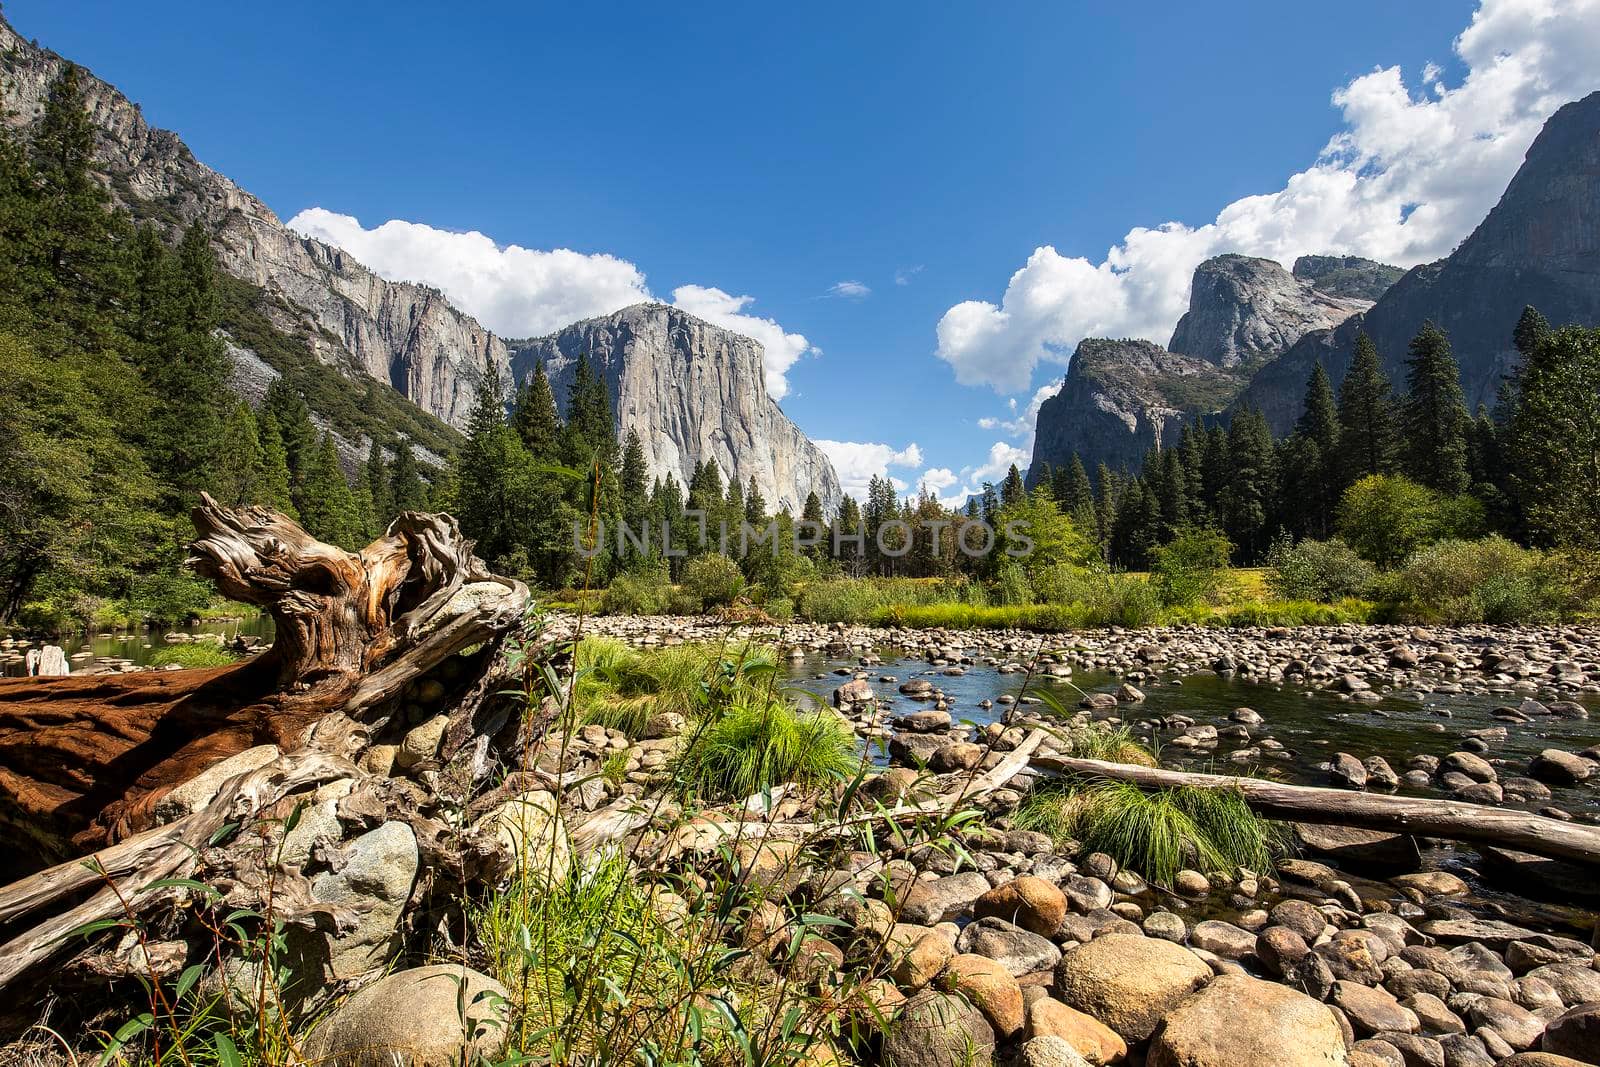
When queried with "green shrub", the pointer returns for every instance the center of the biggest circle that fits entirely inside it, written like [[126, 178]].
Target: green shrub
[[1191, 568], [1322, 571], [1122, 600], [780, 608], [713, 580], [1011, 586], [1063, 583], [1386, 518], [192, 656], [636, 593], [762, 741], [1491, 580]]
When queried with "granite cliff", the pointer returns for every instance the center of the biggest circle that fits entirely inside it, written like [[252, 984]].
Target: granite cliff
[[1244, 311], [693, 391]]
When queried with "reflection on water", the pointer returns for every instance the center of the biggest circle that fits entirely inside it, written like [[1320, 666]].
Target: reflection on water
[[118, 650]]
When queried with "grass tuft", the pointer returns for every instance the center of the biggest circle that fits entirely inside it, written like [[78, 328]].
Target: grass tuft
[[753, 745]]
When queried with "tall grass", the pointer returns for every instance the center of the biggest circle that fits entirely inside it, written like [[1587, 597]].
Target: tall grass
[[758, 743], [622, 687], [1156, 833]]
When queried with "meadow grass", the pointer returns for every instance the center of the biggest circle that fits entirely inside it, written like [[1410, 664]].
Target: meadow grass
[[752, 745]]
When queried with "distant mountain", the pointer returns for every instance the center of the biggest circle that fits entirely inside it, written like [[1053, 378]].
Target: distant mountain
[[1540, 245], [378, 358], [1120, 398], [1243, 311], [692, 391]]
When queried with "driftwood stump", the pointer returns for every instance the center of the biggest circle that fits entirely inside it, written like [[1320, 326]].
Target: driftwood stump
[[83, 760]]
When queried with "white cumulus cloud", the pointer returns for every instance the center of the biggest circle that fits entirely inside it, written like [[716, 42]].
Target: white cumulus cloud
[[527, 292], [858, 461], [1406, 178]]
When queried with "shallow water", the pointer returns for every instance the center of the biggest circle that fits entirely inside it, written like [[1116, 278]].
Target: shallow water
[[1311, 724], [116, 649]]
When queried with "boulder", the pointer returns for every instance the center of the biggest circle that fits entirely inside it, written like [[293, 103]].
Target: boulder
[[1223, 939], [1049, 1051], [1559, 768], [435, 1016], [942, 899], [1128, 981], [1518, 1026], [934, 1029], [1359, 848], [373, 884], [200, 790], [1017, 950], [1031, 903], [1574, 1033], [530, 828], [1094, 1041], [917, 954], [1238, 1021], [989, 986], [1374, 1010]]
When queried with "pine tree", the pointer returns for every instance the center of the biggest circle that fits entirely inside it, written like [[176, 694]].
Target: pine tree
[[755, 505], [295, 428], [535, 418], [635, 490], [1434, 418], [1011, 490], [1172, 496], [492, 471], [239, 463], [1366, 416], [1531, 332], [1133, 531], [591, 425], [811, 513], [406, 489], [1317, 476], [1555, 439], [375, 475], [273, 484], [1248, 500], [329, 511], [1079, 500]]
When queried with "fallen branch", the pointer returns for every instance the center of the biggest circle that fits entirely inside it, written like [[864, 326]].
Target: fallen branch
[[1452, 819]]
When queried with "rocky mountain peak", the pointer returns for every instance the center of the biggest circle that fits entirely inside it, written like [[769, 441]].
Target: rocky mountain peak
[[693, 391], [1244, 310]]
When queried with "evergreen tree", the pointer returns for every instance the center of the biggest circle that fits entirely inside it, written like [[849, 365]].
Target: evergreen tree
[[1133, 530], [1555, 439], [1366, 416], [1316, 477], [1011, 490], [376, 478], [492, 472], [1105, 507], [295, 429], [1248, 500], [635, 491], [1531, 333], [329, 510], [535, 418], [755, 505], [1434, 418], [811, 513], [406, 489], [239, 463], [272, 487]]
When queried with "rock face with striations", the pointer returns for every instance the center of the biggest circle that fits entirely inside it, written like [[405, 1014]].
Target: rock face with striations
[[1350, 276], [408, 335], [1540, 245], [1244, 310], [693, 391]]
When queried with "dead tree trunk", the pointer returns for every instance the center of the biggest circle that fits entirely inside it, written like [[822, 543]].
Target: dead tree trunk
[[84, 759], [1450, 819]]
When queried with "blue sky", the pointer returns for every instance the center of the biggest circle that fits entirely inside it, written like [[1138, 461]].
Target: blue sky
[[926, 152]]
